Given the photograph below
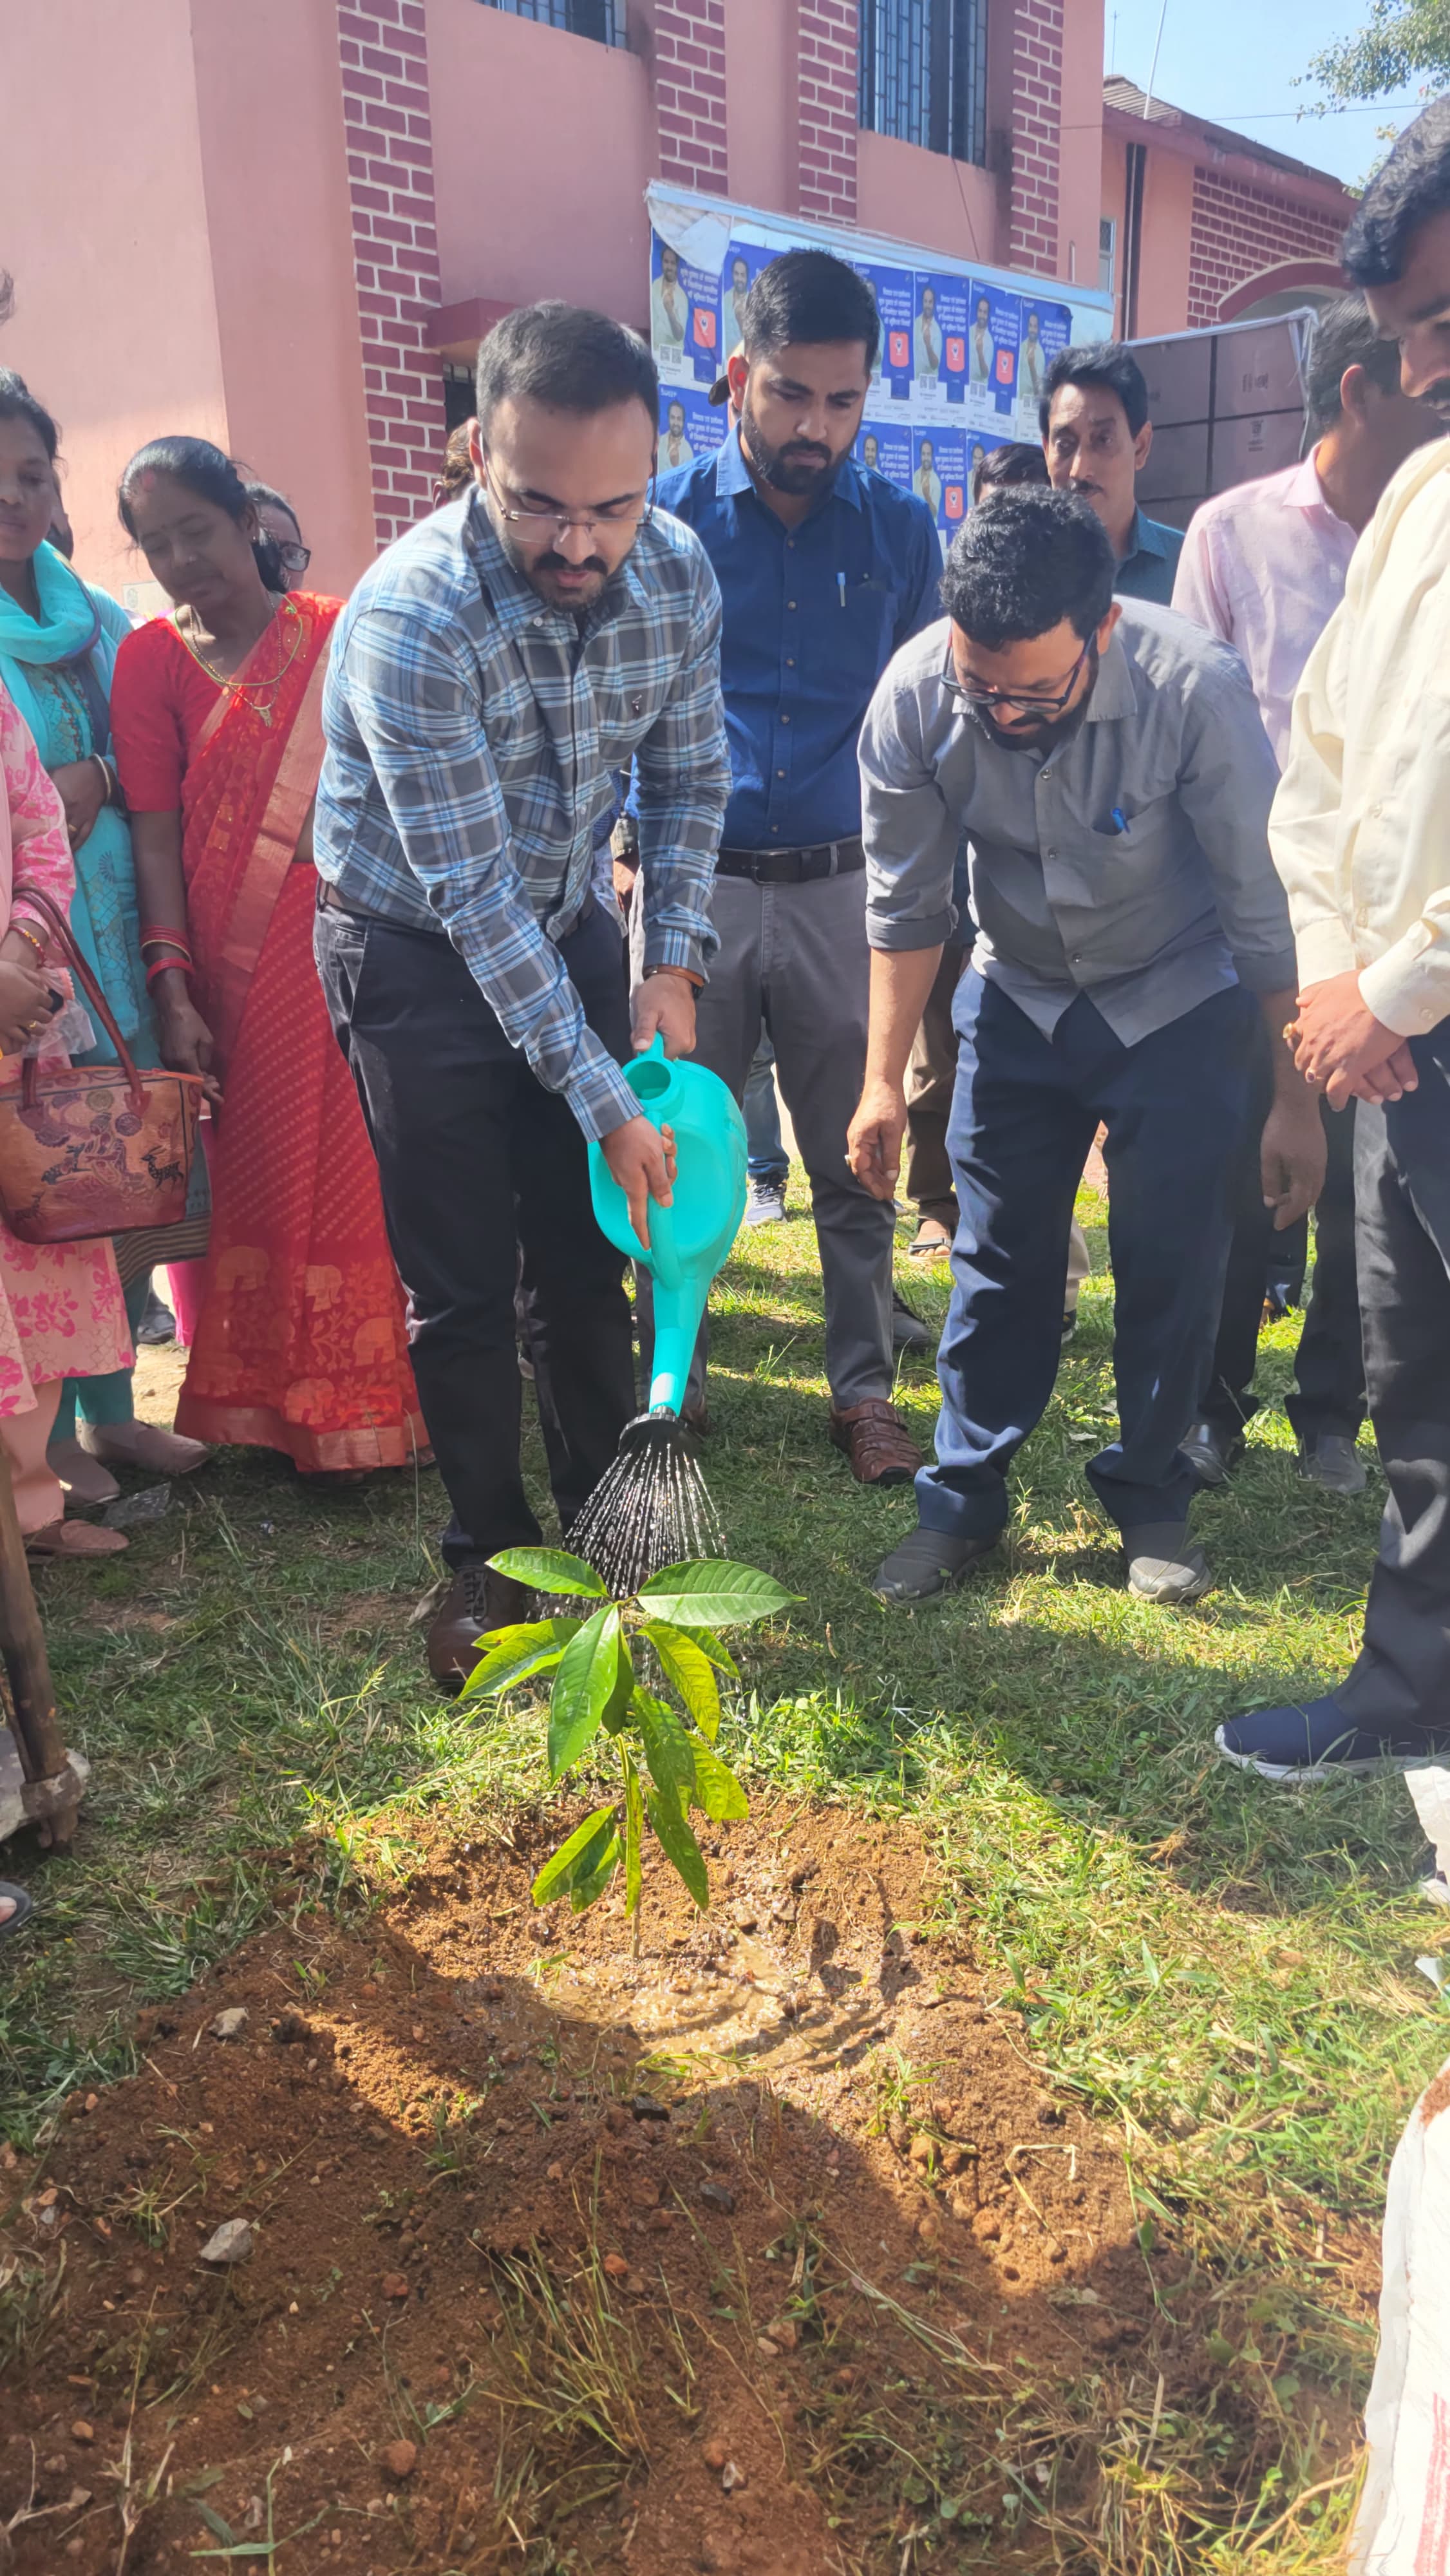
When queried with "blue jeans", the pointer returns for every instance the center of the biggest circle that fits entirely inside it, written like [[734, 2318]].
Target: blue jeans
[[766, 1157], [1024, 1113]]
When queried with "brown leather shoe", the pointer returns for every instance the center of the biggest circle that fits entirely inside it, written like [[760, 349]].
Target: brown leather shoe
[[477, 1599], [876, 1441]]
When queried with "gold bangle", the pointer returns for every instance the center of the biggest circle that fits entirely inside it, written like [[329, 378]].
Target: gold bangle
[[36, 942]]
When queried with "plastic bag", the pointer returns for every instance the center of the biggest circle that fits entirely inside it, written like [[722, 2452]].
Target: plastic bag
[[1403, 2524]]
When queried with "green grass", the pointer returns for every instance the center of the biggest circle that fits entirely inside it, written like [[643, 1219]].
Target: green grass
[[1225, 1970]]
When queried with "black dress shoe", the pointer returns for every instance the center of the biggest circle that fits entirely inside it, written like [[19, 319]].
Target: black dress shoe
[[476, 1600], [1210, 1452]]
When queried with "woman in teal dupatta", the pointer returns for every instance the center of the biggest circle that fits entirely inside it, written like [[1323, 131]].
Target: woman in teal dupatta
[[58, 643]]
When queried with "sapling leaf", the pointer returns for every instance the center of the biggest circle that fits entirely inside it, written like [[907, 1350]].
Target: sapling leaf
[[585, 1891], [679, 1843], [690, 1669], [583, 1688], [711, 1646], [617, 1711], [633, 1826], [512, 1655], [718, 1793], [577, 1858], [549, 1569], [668, 1750], [715, 1593]]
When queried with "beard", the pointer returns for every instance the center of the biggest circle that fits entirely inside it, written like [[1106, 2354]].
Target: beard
[[1045, 732], [559, 582], [800, 467]]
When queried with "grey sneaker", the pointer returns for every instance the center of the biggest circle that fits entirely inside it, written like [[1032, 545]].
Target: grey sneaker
[[1164, 1565], [927, 1563], [1333, 1462], [765, 1203]]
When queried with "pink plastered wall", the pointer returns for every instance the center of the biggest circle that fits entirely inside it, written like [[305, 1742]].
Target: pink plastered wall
[[542, 147], [270, 109], [917, 196], [1079, 185], [115, 326], [1165, 235]]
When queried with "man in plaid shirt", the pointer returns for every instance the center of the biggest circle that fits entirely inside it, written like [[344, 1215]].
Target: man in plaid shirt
[[489, 677]]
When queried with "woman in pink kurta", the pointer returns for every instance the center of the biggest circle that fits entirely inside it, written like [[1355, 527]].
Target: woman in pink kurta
[[61, 1310]]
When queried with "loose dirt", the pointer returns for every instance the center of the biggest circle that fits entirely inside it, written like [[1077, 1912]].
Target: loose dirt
[[767, 2254]]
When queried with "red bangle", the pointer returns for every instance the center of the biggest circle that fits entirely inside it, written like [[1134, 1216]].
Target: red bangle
[[155, 933], [167, 966]]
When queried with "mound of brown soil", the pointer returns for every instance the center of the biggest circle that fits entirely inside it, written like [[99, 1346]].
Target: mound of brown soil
[[768, 2251]]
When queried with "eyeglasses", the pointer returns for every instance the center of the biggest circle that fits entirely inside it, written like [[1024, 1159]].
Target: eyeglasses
[[536, 527], [294, 557], [1029, 704]]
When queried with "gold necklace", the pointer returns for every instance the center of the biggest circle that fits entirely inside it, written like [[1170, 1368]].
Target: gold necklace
[[244, 689]]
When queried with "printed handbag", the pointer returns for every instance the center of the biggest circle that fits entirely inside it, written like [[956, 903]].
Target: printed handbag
[[96, 1149]]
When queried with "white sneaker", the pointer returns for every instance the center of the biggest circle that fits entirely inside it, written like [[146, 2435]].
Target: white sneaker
[[765, 1203]]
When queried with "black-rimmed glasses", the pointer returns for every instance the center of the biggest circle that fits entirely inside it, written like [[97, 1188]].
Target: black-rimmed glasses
[[1029, 703]]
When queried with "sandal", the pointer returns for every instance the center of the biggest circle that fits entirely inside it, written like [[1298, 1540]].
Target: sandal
[[931, 1242], [74, 1538], [19, 1903]]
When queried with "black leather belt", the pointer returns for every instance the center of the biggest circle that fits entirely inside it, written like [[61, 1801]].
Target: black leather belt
[[793, 867]]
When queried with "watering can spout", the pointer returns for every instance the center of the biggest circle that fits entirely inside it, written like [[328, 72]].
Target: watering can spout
[[690, 1239]]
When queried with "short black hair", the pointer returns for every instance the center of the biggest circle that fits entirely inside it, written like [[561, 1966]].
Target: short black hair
[[567, 358], [1002, 468], [17, 402], [805, 298], [1099, 362], [1019, 568], [1344, 337], [1413, 185]]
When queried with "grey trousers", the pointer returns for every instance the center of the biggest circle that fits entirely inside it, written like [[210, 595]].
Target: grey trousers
[[1402, 1241], [796, 957]]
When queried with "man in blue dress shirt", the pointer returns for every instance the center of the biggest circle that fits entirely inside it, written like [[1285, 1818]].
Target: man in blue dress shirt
[[824, 569]]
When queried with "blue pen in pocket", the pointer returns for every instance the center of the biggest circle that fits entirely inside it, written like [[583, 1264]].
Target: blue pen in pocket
[[1118, 819], [841, 587]]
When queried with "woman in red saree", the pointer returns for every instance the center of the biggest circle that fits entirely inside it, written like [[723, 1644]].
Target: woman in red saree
[[298, 1342]]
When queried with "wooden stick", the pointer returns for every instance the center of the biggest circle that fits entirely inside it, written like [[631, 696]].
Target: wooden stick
[[22, 1648]]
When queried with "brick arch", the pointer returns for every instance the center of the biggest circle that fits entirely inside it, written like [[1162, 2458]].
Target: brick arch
[[1321, 273]]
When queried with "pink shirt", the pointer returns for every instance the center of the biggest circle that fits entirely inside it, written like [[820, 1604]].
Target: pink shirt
[[1263, 567]]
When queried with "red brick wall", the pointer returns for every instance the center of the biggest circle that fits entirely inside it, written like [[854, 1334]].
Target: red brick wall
[[1239, 230], [689, 53], [826, 117], [384, 52], [1036, 134]]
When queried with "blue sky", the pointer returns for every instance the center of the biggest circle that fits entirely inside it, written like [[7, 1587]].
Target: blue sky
[[1237, 61]]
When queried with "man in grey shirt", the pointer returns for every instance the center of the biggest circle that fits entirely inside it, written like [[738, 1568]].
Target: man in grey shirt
[[1110, 768]]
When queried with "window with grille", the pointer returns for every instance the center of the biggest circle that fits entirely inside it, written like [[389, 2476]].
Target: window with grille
[[603, 20], [1107, 253], [924, 73]]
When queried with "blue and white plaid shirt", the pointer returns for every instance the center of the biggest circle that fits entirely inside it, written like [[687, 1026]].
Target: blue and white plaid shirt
[[473, 733]]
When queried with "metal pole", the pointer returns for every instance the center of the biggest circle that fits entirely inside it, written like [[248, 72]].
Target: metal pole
[[1153, 66]]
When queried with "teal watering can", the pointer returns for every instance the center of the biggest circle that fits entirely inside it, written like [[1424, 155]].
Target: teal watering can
[[689, 1240]]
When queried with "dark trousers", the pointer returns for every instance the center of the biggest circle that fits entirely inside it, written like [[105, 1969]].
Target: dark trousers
[[1025, 1112], [476, 1159], [1328, 1393], [930, 1078], [1402, 1192]]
